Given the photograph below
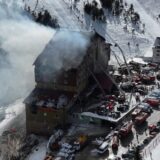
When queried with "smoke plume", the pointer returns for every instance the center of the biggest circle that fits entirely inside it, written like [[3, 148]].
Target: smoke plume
[[22, 40], [65, 51]]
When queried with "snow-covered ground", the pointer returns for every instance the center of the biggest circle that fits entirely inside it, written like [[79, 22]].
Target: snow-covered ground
[[39, 152], [74, 18], [152, 27], [59, 9], [113, 32], [11, 112], [152, 7], [152, 150]]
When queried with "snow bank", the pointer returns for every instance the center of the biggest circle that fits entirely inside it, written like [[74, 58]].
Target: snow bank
[[11, 113], [39, 152]]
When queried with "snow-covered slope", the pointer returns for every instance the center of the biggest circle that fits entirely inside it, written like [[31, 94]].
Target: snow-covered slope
[[152, 27], [73, 17], [59, 9], [151, 6]]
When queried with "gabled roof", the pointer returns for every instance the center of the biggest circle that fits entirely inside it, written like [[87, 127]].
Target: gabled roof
[[66, 42]]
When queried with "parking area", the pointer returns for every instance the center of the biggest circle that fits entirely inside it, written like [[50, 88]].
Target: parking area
[[119, 125], [146, 110]]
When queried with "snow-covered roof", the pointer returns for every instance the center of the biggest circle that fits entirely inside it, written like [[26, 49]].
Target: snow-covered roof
[[137, 60]]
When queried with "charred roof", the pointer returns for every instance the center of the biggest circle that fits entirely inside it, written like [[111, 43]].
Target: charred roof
[[65, 45], [69, 46]]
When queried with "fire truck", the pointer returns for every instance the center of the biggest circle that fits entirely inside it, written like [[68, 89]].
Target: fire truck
[[115, 142], [141, 118], [126, 129]]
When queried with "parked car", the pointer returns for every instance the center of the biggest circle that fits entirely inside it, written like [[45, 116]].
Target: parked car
[[65, 156], [136, 79], [153, 128], [128, 155], [158, 124], [127, 86], [145, 107], [121, 98], [153, 66], [53, 141], [131, 151], [147, 79], [140, 146], [158, 76], [141, 89], [147, 140], [114, 115], [80, 142], [115, 142], [152, 101], [141, 118], [103, 147], [154, 94], [122, 107], [98, 141], [102, 110], [67, 150]]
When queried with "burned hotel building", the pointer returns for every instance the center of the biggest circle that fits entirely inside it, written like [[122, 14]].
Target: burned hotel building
[[60, 77]]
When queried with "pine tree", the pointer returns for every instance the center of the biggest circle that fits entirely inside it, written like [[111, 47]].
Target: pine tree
[[107, 3]]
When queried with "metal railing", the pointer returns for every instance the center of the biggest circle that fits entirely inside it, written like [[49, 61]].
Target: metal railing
[[147, 151]]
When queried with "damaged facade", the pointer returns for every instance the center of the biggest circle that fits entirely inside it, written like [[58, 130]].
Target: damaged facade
[[56, 91], [156, 50]]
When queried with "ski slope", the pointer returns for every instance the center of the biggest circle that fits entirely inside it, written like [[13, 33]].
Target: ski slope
[[152, 6], [59, 9], [113, 32], [152, 27], [74, 18]]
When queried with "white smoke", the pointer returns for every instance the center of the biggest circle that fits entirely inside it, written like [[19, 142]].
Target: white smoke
[[65, 51], [23, 40]]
